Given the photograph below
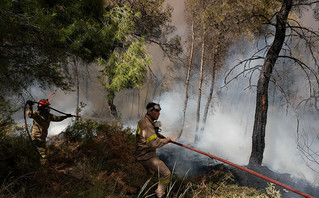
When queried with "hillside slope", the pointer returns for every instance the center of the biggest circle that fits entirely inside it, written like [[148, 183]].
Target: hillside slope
[[91, 159]]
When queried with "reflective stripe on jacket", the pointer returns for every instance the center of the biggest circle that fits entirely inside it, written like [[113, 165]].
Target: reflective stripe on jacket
[[146, 139]]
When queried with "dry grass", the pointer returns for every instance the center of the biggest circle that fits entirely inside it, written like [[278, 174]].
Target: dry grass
[[96, 160]]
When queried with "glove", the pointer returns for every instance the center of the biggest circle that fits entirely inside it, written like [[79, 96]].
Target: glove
[[29, 102], [68, 115]]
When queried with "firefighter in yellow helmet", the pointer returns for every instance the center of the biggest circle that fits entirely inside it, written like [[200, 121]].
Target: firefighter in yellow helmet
[[41, 123], [147, 141]]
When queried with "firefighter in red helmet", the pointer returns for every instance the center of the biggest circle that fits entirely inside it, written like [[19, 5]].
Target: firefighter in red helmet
[[41, 122]]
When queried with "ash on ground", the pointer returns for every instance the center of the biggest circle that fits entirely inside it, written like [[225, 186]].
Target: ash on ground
[[184, 162]]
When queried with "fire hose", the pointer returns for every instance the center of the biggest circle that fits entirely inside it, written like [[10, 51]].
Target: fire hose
[[207, 154], [33, 145], [26, 125], [59, 111], [247, 170]]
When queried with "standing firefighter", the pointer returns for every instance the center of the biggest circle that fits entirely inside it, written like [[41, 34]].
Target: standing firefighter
[[41, 123], [147, 141]]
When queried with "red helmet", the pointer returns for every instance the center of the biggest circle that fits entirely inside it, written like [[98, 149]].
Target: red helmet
[[43, 102]]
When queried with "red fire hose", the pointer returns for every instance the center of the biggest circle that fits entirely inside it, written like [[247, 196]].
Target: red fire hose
[[247, 170], [59, 111]]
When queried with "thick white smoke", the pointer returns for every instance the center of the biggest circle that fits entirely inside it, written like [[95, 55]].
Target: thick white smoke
[[228, 132], [91, 94], [228, 129]]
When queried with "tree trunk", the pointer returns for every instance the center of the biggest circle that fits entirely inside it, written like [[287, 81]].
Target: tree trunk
[[87, 84], [209, 99], [200, 87], [76, 73], [146, 98], [258, 138], [138, 102], [132, 103], [191, 52]]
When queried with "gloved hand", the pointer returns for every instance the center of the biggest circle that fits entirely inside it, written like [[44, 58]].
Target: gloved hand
[[29, 102], [160, 135], [68, 115]]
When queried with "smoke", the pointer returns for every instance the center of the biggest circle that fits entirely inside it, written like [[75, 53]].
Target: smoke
[[178, 18], [91, 95], [229, 124], [228, 132]]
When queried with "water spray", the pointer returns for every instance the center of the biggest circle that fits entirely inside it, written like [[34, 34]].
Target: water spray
[[246, 170]]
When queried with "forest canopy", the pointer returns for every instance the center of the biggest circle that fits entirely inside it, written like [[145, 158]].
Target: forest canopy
[[39, 39]]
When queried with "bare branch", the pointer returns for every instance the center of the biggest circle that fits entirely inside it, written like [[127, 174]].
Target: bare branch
[[298, 26], [285, 96], [245, 62], [304, 67], [305, 4], [305, 101]]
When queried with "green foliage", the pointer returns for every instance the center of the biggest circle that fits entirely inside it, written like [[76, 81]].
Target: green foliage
[[81, 131], [129, 68], [231, 16], [154, 20], [126, 66], [39, 37], [27, 56], [122, 18], [79, 28]]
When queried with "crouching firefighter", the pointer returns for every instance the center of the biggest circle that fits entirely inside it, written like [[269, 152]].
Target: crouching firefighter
[[41, 123], [147, 141]]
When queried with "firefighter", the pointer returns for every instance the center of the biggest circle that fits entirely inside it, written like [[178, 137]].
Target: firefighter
[[112, 109], [41, 123], [147, 141]]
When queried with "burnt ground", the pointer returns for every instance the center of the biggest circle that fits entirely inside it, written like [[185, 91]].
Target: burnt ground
[[182, 161], [246, 179]]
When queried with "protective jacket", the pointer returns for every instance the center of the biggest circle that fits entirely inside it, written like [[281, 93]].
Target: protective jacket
[[147, 140], [40, 124]]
